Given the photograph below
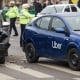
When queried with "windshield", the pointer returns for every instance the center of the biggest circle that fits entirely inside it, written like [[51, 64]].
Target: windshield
[[74, 22], [50, 10], [59, 9]]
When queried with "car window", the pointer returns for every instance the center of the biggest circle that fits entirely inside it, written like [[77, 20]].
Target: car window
[[67, 9], [57, 23], [73, 8], [43, 22], [38, 23]]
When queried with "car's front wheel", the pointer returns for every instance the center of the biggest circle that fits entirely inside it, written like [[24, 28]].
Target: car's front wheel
[[30, 53], [74, 59]]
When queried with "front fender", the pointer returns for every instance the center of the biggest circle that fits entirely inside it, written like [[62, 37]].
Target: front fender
[[73, 45]]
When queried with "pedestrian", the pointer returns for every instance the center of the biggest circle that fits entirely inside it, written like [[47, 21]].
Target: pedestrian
[[50, 2], [13, 14], [37, 6], [25, 18], [45, 3]]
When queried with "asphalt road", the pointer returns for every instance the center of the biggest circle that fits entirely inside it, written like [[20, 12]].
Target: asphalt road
[[17, 68]]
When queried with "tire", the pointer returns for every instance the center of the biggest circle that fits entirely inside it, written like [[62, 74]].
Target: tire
[[2, 60], [30, 53], [74, 59]]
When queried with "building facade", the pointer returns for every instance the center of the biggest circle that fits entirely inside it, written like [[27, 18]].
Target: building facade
[[24, 1], [6, 2]]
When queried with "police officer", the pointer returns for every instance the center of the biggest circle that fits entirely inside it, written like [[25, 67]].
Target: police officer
[[25, 18], [13, 14]]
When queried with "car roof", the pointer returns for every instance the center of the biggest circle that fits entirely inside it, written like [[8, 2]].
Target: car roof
[[64, 14], [59, 5]]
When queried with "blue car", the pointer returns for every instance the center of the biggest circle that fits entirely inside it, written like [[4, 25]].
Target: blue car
[[54, 36]]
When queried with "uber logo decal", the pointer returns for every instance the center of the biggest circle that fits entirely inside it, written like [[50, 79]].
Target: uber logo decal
[[56, 45]]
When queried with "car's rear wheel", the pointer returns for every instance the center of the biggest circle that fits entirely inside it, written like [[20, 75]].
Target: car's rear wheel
[[30, 53], [74, 59], [2, 60]]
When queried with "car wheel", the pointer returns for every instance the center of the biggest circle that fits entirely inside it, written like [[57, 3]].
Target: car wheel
[[2, 60], [30, 53], [74, 59]]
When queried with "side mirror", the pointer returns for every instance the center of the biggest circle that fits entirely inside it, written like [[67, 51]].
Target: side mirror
[[60, 30]]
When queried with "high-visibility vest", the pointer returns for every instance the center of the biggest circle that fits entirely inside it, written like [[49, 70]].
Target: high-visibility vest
[[25, 16], [12, 12]]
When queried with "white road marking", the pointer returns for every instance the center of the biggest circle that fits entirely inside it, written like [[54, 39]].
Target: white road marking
[[6, 77], [76, 78], [61, 69], [28, 71]]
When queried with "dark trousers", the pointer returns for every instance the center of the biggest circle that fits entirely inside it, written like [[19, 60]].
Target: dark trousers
[[22, 29], [12, 25]]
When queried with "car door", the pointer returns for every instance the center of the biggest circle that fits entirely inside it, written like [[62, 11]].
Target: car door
[[42, 30], [57, 41]]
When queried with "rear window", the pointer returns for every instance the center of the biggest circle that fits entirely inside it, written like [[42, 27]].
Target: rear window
[[73, 8]]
